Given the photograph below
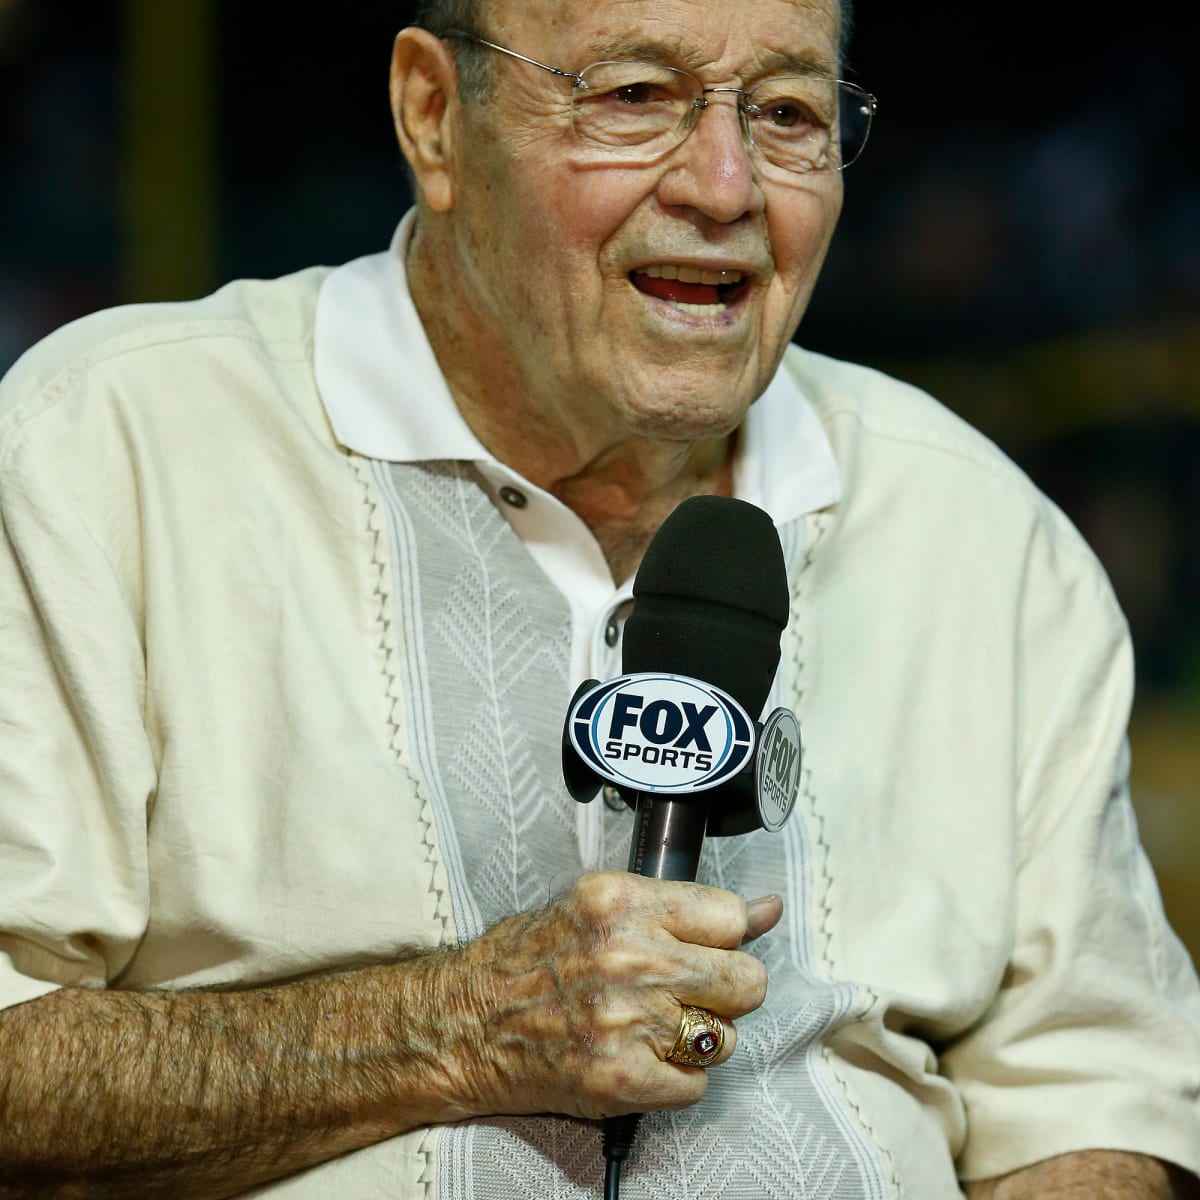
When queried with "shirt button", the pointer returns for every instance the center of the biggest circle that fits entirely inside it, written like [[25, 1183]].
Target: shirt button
[[612, 631], [514, 496], [614, 799]]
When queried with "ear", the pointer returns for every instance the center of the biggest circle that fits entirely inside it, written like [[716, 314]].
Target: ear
[[424, 93]]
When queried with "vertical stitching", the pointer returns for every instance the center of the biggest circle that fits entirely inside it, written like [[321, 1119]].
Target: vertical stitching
[[831, 1065], [820, 523], [797, 655], [384, 618], [427, 1148]]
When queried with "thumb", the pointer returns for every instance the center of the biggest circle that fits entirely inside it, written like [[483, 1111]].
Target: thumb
[[762, 915]]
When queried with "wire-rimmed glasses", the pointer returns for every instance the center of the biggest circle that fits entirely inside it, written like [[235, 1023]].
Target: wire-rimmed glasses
[[798, 123]]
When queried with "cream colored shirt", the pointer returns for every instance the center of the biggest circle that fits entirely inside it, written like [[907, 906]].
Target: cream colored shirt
[[224, 758]]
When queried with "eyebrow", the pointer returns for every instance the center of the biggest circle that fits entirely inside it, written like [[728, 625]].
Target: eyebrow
[[772, 62]]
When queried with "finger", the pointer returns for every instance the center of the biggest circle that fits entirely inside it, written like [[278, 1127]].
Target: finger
[[701, 915], [729, 982], [762, 915]]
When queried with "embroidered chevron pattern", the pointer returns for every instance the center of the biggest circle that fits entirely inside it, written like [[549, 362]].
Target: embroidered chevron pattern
[[495, 637]]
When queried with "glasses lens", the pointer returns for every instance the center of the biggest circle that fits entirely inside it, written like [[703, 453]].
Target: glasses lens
[[810, 124], [632, 105]]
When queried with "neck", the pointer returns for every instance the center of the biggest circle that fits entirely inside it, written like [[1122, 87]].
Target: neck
[[625, 496]]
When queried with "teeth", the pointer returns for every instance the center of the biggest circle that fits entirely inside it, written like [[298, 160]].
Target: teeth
[[692, 274]]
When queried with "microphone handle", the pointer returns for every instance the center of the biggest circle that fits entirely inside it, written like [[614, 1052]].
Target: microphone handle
[[668, 836], [666, 844]]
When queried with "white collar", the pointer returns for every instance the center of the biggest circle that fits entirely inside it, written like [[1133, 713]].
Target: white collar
[[386, 397]]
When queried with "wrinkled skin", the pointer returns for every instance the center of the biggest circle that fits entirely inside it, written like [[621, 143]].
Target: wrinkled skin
[[573, 1009]]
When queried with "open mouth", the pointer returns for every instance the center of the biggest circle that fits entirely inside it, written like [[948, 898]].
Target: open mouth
[[692, 289]]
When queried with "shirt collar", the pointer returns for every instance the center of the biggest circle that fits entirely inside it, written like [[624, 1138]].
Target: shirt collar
[[784, 462], [386, 397]]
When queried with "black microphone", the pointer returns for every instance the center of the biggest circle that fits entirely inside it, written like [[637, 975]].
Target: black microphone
[[710, 603], [677, 733]]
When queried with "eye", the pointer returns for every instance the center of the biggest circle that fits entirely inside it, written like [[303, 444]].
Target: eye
[[795, 108], [642, 92], [787, 114], [616, 87]]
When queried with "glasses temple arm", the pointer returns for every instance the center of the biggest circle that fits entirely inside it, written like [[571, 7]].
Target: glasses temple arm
[[533, 62]]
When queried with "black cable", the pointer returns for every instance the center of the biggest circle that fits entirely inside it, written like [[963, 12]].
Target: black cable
[[619, 1133], [612, 1179]]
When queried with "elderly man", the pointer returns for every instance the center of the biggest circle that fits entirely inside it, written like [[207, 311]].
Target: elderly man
[[296, 584]]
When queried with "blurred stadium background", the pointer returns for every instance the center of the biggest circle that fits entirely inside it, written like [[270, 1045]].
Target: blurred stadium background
[[1022, 237]]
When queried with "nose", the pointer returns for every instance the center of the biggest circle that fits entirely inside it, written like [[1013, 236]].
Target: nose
[[712, 170]]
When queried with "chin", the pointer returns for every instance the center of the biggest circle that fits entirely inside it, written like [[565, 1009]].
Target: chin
[[690, 420]]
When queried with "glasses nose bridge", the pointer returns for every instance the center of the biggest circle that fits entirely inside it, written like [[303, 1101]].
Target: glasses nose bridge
[[742, 103]]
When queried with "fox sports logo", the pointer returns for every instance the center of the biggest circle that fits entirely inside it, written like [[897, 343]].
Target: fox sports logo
[[661, 733]]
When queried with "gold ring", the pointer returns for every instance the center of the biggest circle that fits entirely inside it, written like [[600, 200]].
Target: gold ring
[[701, 1036]]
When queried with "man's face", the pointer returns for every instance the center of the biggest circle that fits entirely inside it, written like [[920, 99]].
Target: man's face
[[556, 249]]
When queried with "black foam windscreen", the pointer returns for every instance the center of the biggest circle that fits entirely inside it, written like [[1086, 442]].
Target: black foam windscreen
[[711, 599]]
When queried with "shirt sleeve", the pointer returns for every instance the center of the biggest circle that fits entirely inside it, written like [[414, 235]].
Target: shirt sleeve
[[76, 769], [1093, 1040]]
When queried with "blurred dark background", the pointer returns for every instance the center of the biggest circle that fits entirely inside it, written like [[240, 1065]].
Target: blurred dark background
[[1021, 236]]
